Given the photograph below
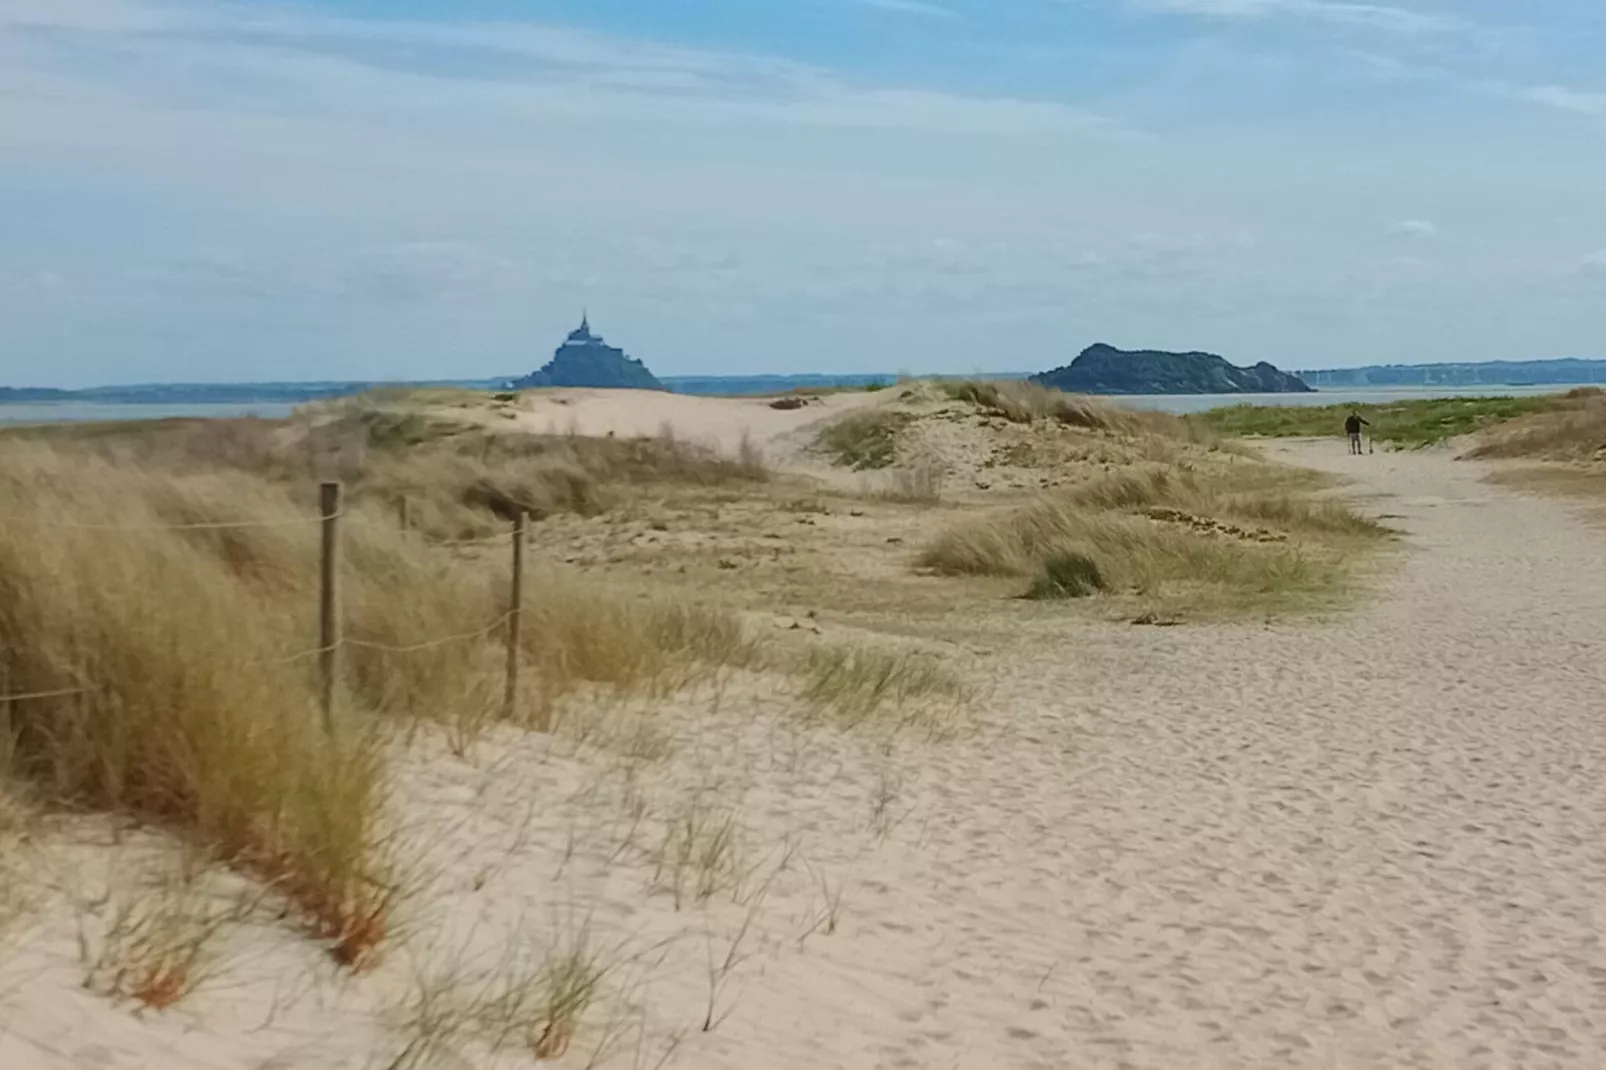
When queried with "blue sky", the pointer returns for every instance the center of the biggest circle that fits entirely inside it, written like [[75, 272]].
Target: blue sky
[[200, 190]]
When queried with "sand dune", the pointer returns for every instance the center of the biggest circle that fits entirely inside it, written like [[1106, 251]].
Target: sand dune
[[722, 422], [1371, 841]]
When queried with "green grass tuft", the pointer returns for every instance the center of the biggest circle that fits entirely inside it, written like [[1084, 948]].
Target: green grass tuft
[[1067, 575], [860, 684]]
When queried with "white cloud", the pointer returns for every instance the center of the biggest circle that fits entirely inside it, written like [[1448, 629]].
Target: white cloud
[[1564, 99], [1414, 228], [1595, 263]]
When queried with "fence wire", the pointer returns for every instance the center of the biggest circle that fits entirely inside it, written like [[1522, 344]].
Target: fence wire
[[221, 525], [311, 521], [431, 644]]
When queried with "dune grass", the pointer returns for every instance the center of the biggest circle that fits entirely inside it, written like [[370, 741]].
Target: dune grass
[[1066, 575], [185, 714], [189, 697], [866, 439], [1245, 491], [1023, 401], [1572, 429], [461, 480], [1178, 537], [858, 684], [1407, 424]]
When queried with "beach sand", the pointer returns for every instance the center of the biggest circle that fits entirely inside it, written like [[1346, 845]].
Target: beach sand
[[719, 422], [1372, 840]]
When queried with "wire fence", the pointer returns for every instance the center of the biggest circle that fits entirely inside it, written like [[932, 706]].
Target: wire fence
[[331, 639]]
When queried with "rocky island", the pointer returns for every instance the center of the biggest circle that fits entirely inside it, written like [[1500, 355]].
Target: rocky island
[[1103, 369], [584, 359]]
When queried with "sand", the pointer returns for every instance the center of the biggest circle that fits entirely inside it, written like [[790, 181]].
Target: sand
[[1375, 840], [719, 422]]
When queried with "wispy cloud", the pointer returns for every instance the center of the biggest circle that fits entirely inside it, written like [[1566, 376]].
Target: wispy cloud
[[912, 7], [1563, 99], [1414, 228], [519, 65], [1378, 17]]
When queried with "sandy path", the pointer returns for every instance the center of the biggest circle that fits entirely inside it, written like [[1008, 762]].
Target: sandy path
[[1374, 842]]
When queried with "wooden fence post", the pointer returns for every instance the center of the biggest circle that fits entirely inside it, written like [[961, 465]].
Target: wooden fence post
[[329, 601], [515, 620]]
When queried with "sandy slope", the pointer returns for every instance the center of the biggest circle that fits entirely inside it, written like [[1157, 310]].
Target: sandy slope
[[1375, 841], [721, 422]]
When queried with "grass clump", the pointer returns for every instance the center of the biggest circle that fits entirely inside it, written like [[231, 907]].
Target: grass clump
[[181, 689], [701, 853], [1244, 491], [863, 440], [860, 684], [1187, 537], [185, 714], [530, 1002], [1573, 429], [1024, 401], [159, 945], [919, 483], [461, 479], [575, 636], [1067, 575]]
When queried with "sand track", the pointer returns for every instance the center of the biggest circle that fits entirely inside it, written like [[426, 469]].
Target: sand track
[[1373, 842]]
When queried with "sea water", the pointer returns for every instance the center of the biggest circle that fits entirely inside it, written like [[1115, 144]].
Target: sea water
[[88, 412]]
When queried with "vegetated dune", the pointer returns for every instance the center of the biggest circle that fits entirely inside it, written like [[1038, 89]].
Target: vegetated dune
[[1574, 429], [658, 849], [1163, 513], [158, 654], [724, 423]]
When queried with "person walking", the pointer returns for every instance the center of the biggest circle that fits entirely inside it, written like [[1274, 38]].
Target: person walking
[[1352, 428]]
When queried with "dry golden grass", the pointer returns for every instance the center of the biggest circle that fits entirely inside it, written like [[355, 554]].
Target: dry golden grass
[[920, 482], [1574, 429], [865, 439], [1173, 535], [191, 699], [187, 716], [1023, 401], [1244, 491], [1583, 483], [460, 479]]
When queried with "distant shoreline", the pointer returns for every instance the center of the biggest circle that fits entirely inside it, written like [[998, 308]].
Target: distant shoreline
[[63, 411], [1448, 377]]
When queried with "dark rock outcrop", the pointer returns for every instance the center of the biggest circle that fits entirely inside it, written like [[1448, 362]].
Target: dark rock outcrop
[[584, 359], [1103, 369]]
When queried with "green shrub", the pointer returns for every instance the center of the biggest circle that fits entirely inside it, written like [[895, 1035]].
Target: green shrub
[[1067, 575]]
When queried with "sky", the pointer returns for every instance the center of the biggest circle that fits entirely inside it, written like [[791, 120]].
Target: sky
[[200, 190]]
